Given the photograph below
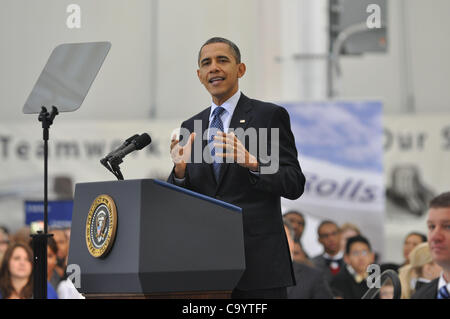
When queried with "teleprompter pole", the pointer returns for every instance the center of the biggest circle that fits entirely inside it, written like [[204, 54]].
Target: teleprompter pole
[[39, 240]]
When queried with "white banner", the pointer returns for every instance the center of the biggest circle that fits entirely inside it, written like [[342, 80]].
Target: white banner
[[340, 152], [417, 167], [75, 150]]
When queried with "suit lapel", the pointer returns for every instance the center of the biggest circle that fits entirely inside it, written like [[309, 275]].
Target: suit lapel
[[240, 119], [205, 126]]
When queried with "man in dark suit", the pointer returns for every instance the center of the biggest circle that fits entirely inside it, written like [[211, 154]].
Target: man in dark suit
[[438, 223], [331, 261], [310, 282], [255, 180]]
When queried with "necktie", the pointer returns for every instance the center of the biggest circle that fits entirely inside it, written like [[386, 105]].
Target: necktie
[[216, 125], [334, 265], [443, 293]]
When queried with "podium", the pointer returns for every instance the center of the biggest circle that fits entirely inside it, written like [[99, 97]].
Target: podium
[[169, 242]]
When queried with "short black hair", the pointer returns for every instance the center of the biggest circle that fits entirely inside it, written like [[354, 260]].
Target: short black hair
[[441, 201], [415, 233], [234, 48], [326, 222], [356, 239]]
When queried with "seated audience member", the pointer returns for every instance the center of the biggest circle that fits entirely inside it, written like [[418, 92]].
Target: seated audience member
[[438, 223], [16, 274], [420, 270], [52, 252], [351, 282], [386, 290], [62, 242], [309, 281], [64, 287], [300, 256], [4, 241], [331, 261], [297, 221], [412, 240]]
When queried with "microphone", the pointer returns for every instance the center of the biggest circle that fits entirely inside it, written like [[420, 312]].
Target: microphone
[[136, 144], [121, 147]]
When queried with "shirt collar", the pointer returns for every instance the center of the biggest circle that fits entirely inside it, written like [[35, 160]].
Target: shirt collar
[[442, 282], [338, 256], [358, 278], [229, 105]]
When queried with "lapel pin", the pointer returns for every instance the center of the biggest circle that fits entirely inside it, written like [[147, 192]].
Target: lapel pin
[[242, 121]]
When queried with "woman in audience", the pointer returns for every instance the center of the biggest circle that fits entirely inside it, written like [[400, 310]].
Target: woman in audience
[[16, 274], [412, 240], [420, 270]]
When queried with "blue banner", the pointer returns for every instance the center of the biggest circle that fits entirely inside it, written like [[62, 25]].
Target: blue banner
[[59, 213]]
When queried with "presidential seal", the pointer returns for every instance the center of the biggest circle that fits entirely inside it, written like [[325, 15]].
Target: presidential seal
[[101, 226]]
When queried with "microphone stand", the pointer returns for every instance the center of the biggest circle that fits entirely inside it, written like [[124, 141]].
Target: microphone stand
[[39, 240], [112, 164]]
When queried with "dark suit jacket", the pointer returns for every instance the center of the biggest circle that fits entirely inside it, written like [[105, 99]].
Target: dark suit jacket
[[320, 263], [428, 291], [267, 257], [310, 284], [344, 285]]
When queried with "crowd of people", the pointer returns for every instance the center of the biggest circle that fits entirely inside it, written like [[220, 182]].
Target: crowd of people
[[341, 271], [16, 270]]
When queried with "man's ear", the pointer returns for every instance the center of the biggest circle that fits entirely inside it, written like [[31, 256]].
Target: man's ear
[[241, 70]]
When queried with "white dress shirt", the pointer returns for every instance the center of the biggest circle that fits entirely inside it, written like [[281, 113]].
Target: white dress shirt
[[229, 106]]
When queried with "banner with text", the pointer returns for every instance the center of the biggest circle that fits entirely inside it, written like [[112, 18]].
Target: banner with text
[[340, 146]]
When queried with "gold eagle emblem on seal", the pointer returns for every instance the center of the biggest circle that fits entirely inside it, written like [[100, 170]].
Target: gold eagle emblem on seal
[[101, 226]]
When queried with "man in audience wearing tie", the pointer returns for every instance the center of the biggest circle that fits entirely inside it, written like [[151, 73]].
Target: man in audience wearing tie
[[438, 223], [331, 261], [238, 175]]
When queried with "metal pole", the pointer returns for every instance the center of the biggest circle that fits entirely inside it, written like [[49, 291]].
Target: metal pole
[[39, 242]]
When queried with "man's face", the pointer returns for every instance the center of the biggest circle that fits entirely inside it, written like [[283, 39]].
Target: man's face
[[439, 236], [219, 71], [359, 257], [298, 224], [330, 238], [61, 242]]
